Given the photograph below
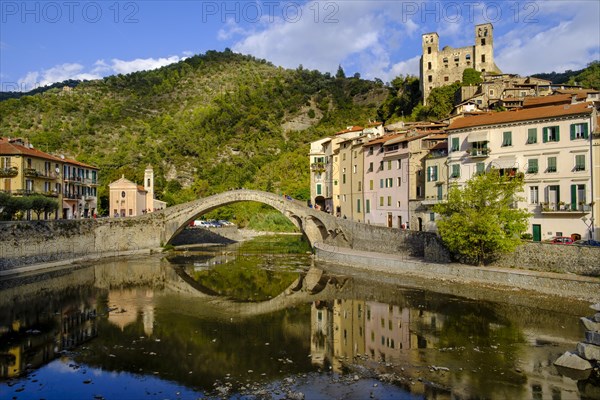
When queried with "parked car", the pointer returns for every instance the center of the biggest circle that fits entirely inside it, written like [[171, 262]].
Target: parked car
[[588, 242], [201, 224], [224, 222], [562, 240]]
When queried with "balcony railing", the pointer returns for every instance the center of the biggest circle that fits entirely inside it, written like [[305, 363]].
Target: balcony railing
[[563, 208], [72, 196], [478, 153], [318, 167], [9, 172], [33, 173], [30, 192]]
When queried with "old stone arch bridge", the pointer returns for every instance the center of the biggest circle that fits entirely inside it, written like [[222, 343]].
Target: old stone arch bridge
[[318, 226]]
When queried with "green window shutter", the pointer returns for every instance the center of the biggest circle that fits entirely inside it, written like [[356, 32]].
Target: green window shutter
[[435, 173], [573, 197], [454, 144], [585, 130], [367, 206], [557, 133], [480, 168], [545, 134], [533, 166], [531, 135], [573, 127], [557, 194]]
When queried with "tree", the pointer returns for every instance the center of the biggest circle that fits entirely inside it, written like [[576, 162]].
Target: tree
[[440, 102], [479, 222], [340, 74], [471, 77], [40, 204]]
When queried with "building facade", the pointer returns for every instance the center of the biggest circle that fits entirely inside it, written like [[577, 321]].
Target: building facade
[[80, 189], [446, 66], [550, 146], [128, 199], [26, 171]]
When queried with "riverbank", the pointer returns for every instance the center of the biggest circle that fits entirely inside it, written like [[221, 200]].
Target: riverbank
[[549, 283]]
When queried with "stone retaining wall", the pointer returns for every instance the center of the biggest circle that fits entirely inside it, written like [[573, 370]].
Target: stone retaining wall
[[549, 283], [580, 260]]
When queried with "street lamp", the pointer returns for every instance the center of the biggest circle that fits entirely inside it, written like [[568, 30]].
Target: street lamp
[[589, 222]]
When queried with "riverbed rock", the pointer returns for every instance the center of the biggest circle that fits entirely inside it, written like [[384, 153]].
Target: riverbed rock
[[595, 307], [589, 324], [596, 317], [573, 361], [588, 351], [592, 338]]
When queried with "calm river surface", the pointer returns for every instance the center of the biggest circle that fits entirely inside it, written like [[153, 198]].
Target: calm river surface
[[262, 320]]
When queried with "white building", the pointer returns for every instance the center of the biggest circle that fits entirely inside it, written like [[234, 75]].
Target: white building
[[551, 146]]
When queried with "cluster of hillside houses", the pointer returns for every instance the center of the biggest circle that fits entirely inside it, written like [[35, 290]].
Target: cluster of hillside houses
[[393, 175]]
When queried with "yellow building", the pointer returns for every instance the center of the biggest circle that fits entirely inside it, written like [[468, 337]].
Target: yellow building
[[26, 171]]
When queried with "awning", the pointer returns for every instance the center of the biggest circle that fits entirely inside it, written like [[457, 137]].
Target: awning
[[505, 162], [479, 137]]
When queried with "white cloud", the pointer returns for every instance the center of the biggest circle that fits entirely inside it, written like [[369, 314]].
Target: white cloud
[[101, 68], [568, 42]]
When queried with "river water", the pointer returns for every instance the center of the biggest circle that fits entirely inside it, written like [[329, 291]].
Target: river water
[[263, 320]]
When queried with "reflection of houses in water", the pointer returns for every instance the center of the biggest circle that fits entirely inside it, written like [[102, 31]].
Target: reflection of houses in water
[[127, 304], [321, 343], [36, 339], [348, 328]]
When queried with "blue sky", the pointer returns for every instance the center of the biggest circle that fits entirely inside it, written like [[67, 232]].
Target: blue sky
[[42, 42]]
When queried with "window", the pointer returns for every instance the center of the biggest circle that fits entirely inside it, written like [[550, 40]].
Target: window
[[343, 156], [430, 78], [398, 164], [577, 196], [491, 92], [359, 186], [579, 131], [532, 166], [370, 167], [483, 58], [553, 195], [446, 78], [440, 192], [483, 44], [343, 179], [431, 217], [389, 182], [506, 139], [480, 168], [389, 165], [455, 144], [455, 171], [429, 65], [371, 184], [354, 169], [532, 135], [367, 206], [551, 164], [318, 188], [468, 56], [371, 151], [398, 181], [551, 134], [419, 191], [381, 183], [429, 50], [534, 195], [580, 162], [398, 204], [357, 205], [355, 153], [432, 173], [381, 201], [389, 201]]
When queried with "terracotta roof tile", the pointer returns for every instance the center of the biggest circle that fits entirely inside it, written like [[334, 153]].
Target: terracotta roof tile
[[71, 161], [547, 100], [8, 148], [525, 114], [350, 129]]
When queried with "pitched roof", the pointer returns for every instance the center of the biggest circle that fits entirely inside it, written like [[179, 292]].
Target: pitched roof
[[383, 139], [8, 147], [71, 161], [547, 100], [350, 129], [524, 114]]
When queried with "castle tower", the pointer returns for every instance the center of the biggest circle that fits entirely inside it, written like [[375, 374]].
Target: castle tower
[[429, 63], [149, 187], [484, 48]]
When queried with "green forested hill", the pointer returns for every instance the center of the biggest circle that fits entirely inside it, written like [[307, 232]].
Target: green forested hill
[[207, 124]]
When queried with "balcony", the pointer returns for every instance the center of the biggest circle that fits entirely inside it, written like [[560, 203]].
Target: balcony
[[71, 196], [33, 173], [562, 208], [318, 167], [9, 172], [478, 152]]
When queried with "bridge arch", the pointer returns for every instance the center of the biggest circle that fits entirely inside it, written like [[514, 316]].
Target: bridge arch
[[316, 225]]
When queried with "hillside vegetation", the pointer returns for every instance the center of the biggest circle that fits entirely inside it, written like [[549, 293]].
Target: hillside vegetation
[[206, 124]]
